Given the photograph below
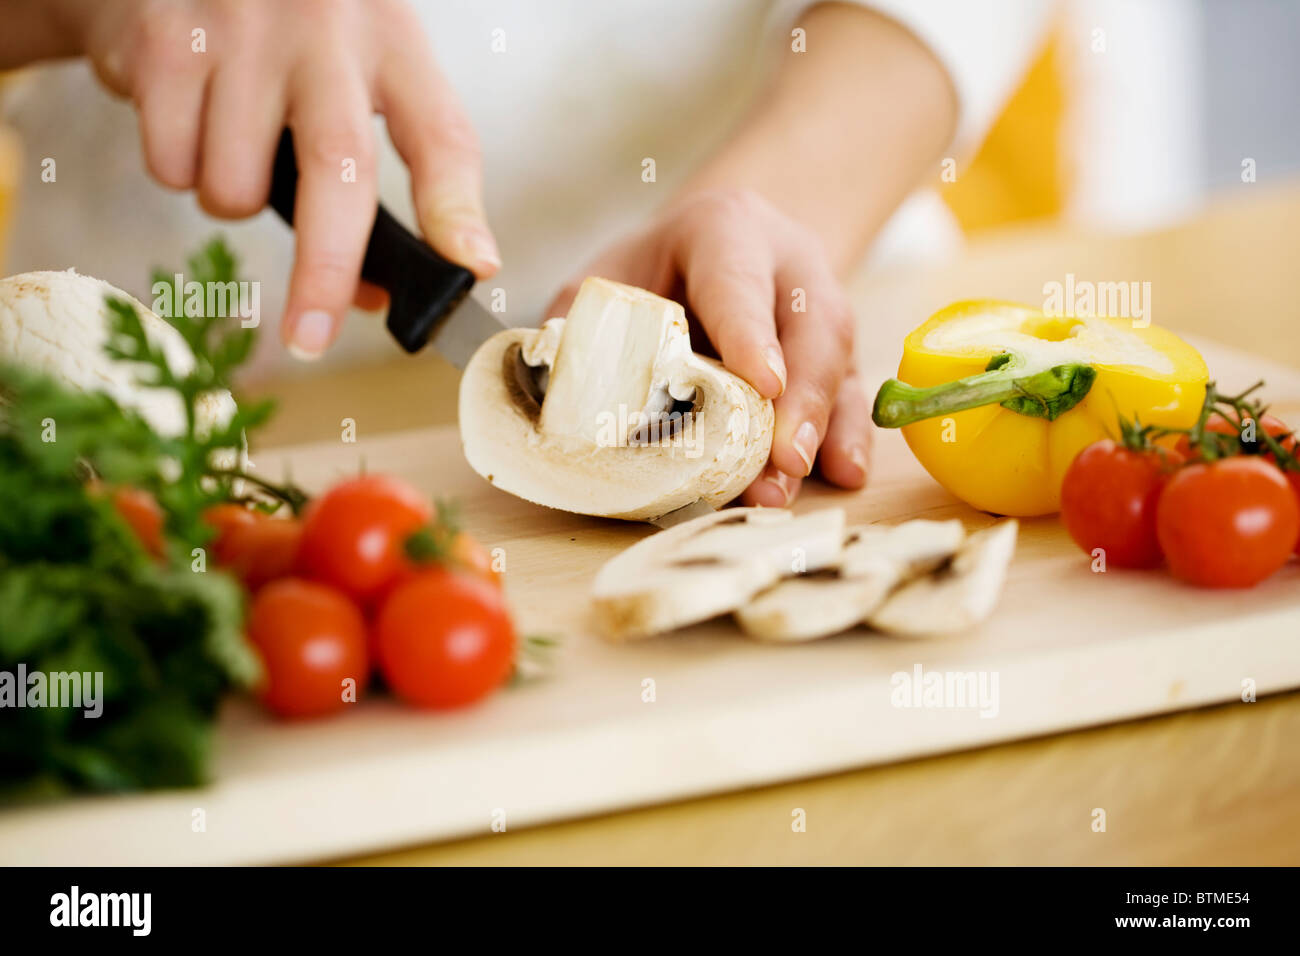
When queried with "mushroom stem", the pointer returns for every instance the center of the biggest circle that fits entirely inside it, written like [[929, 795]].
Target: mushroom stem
[[611, 373]]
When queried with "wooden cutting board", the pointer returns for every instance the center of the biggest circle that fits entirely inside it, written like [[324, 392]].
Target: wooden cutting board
[[1068, 648]]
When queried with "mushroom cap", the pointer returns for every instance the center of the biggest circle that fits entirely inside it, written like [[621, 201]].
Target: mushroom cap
[[713, 458], [57, 323]]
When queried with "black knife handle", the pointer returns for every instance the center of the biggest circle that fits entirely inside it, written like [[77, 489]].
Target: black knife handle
[[422, 286]]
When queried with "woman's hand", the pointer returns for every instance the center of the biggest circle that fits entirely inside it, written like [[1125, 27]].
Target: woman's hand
[[761, 287], [757, 234], [212, 106]]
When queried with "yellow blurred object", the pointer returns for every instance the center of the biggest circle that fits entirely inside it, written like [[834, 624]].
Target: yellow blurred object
[[996, 399], [1019, 172], [10, 159]]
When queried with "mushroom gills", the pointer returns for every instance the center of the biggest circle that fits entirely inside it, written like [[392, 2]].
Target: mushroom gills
[[709, 566], [959, 595], [875, 561]]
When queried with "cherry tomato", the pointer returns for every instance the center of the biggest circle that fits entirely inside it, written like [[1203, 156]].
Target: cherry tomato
[[354, 534], [1223, 426], [255, 547], [1269, 424], [264, 551], [140, 510], [1108, 501], [312, 640], [1293, 477], [470, 555], [445, 638], [1229, 523], [222, 518], [465, 553]]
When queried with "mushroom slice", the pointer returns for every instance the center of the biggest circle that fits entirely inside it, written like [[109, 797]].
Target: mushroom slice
[[876, 559], [955, 597], [610, 413], [709, 566]]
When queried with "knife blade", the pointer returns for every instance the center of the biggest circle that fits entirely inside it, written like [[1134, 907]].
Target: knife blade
[[458, 336], [695, 509], [428, 296]]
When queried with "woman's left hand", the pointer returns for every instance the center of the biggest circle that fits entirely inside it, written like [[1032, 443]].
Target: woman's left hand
[[762, 288]]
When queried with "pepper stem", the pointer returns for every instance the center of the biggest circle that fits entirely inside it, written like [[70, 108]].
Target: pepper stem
[[1047, 394]]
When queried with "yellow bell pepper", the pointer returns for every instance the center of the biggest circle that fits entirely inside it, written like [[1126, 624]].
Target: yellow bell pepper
[[996, 399]]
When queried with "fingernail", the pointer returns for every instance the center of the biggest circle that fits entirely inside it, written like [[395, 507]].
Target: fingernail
[[775, 362], [479, 248], [805, 443], [311, 335], [858, 457], [781, 482]]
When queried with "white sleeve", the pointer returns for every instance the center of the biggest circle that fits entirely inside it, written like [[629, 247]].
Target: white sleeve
[[985, 45]]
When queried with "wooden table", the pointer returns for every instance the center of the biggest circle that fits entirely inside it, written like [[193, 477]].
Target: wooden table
[[1215, 786]]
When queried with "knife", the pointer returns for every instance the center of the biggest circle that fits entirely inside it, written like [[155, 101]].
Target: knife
[[429, 301], [696, 509]]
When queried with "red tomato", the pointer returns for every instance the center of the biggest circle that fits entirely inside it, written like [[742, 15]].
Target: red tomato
[[354, 534], [1217, 423], [470, 555], [312, 639], [255, 547], [224, 518], [140, 510], [1294, 480], [1230, 523], [1293, 477], [445, 639], [1271, 425], [465, 553], [1108, 501], [264, 551]]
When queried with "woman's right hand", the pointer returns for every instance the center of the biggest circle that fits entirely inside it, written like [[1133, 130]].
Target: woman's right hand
[[214, 83]]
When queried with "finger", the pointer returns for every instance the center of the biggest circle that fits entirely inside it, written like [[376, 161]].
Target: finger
[[846, 452], [773, 488], [434, 137], [818, 345], [245, 113], [169, 92], [335, 203], [728, 269]]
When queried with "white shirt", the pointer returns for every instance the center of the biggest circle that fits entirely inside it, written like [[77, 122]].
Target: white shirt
[[568, 97]]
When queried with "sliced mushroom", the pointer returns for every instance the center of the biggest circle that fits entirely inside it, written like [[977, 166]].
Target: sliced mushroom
[[709, 566], [958, 596], [876, 559], [610, 413]]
